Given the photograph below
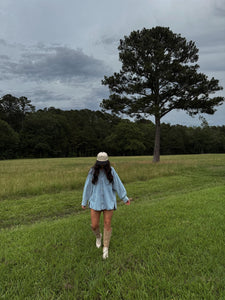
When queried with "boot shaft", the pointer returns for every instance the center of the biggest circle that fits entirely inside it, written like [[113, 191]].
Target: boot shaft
[[96, 232], [107, 237]]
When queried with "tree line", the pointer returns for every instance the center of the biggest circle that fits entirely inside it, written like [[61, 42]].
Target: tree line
[[50, 132]]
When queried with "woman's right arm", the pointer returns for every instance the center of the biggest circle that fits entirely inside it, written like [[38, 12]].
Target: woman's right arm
[[87, 190]]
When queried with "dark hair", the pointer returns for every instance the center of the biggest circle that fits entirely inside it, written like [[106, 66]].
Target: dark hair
[[107, 169]]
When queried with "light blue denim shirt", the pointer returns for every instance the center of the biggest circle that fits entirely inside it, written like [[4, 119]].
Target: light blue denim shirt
[[102, 195]]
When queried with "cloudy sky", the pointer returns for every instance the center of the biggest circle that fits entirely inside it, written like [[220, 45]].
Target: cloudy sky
[[56, 52]]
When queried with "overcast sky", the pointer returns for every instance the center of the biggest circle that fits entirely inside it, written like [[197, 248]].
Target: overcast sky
[[56, 52]]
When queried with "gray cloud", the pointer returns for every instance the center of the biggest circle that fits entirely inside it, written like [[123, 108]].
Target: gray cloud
[[209, 38], [3, 42], [71, 97], [54, 63], [46, 98], [93, 99], [46, 95], [109, 40], [219, 8], [4, 57], [40, 42], [212, 61]]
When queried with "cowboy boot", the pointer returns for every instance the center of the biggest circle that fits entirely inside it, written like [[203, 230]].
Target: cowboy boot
[[98, 235], [106, 241]]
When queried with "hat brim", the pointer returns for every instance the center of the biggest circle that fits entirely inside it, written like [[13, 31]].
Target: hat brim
[[98, 162]]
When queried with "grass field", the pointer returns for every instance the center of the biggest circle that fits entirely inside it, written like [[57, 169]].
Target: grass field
[[168, 244]]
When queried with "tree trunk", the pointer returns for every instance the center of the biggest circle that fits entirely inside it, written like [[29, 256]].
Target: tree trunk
[[156, 157]]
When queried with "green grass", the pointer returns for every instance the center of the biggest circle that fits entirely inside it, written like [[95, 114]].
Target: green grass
[[168, 244]]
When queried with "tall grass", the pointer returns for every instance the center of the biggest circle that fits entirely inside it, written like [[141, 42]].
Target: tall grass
[[39, 176], [168, 244]]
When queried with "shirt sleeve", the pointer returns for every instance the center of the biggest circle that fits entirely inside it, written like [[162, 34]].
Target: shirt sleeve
[[87, 189], [119, 187]]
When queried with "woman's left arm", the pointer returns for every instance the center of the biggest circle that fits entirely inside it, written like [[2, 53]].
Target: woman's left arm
[[119, 188]]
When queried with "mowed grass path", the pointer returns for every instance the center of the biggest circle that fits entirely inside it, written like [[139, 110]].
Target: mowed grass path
[[168, 244]]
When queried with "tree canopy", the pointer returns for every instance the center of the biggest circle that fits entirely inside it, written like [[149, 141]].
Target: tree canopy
[[13, 110], [159, 74]]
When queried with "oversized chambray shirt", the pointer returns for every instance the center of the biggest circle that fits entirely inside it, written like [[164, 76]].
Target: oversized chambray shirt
[[102, 195]]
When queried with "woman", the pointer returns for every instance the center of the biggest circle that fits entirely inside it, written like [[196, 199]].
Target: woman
[[100, 189]]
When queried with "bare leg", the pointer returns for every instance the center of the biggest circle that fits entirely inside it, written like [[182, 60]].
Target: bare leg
[[95, 218], [107, 219]]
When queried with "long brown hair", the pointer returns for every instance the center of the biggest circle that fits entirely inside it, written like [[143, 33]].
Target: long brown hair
[[107, 169]]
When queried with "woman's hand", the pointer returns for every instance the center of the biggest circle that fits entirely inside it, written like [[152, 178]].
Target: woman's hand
[[128, 202], [84, 207]]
